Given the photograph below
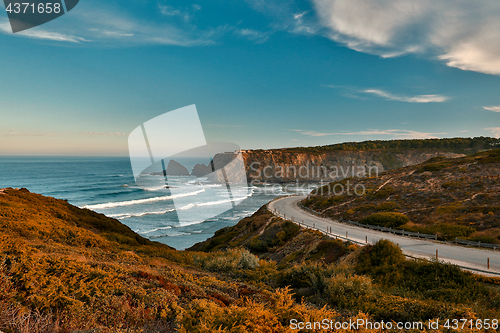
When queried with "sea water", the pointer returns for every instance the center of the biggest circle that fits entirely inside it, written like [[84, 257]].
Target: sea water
[[106, 185]]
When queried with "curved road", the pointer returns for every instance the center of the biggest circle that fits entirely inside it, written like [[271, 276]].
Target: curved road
[[474, 259]]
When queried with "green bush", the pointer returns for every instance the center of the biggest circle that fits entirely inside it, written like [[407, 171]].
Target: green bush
[[381, 261], [386, 219], [228, 261], [347, 292]]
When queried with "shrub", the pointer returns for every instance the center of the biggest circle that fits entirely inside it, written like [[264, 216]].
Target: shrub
[[311, 276], [381, 261], [348, 291], [227, 261], [384, 192], [386, 219], [386, 206]]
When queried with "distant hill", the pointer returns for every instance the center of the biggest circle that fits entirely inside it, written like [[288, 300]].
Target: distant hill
[[457, 145], [457, 197]]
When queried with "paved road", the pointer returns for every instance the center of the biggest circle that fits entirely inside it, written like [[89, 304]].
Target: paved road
[[475, 259]]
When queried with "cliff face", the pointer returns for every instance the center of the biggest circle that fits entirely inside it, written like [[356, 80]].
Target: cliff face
[[282, 166]]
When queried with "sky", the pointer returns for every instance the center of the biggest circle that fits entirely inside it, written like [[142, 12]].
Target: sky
[[262, 73]]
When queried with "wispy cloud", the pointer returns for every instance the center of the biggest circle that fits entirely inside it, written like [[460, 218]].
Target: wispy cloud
[[107, 26], [493, 108], [288, 16], [38, 33], [495, 131], [110, 25], [353, 92], [186, 13], [463, 37], [393, 133], [254, 35], [408, 99]]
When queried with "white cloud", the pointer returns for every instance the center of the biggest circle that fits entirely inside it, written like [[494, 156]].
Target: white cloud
[[38, 33], [393, 133], [106, 25], [288, 16], [254, 35], [353, 92], [465, 34], [169, 10], [494, 130], [409, 99], [493, 108]]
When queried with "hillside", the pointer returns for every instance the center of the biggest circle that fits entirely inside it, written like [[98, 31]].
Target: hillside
[[65, 269], [333, 162], [376, 280], [451, 197]]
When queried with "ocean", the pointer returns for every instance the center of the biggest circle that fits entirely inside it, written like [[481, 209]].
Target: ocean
[[106, 185]]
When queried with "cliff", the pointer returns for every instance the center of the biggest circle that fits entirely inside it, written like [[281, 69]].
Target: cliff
[[334, 162], [281, 166]]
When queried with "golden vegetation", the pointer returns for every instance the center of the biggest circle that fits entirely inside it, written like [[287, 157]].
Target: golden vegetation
[[63, 269]]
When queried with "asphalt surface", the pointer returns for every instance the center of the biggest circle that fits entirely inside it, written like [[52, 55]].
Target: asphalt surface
[[470, 258]]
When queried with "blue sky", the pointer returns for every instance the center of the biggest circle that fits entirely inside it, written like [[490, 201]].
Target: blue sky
[[263, 74]]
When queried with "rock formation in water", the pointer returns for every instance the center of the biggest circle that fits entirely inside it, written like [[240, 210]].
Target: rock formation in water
[[176, 169]]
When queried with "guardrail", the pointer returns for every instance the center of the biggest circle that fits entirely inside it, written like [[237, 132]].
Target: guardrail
[[376, 227], [328, 232], [392, 231], [313, 227], [409, 233], [478, 244]]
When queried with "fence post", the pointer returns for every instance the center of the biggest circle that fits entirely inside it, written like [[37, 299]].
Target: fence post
[[346, 235], [366, 239], [437, 258], [488, 263]]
